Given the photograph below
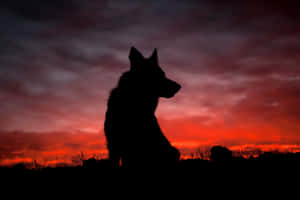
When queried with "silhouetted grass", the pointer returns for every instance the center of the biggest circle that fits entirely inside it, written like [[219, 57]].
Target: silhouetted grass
[[93, 168]]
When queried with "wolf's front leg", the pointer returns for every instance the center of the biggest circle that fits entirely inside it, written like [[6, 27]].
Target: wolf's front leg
[[114, 158]]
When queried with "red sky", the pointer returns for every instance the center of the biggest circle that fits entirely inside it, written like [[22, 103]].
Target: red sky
[[237, 62]]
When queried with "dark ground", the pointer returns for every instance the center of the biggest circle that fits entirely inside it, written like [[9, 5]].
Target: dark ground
[[268, 162]]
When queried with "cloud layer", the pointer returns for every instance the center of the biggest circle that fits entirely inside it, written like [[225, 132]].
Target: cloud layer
[[237, 62]]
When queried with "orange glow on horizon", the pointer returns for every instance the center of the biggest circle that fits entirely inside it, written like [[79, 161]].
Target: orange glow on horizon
[[189, 135]]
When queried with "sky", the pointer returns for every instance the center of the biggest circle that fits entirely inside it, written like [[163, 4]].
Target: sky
[[237, 62]]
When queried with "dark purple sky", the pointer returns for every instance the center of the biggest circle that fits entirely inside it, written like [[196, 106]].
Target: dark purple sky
[[238, 62]]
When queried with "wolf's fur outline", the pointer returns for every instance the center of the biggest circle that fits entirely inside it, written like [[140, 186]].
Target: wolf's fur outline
[[131, 128]]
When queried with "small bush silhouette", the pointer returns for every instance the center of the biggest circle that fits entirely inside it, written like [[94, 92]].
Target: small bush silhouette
[[219, 153]]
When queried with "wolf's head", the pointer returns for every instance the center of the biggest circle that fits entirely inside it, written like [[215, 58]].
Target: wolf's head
[[150, 77]]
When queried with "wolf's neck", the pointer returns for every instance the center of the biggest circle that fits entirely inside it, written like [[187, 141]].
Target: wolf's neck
[[144, 104], [135, 101]]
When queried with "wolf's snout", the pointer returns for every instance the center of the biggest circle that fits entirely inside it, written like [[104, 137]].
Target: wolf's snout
[[174, 86], [177, 87], [170, 89]]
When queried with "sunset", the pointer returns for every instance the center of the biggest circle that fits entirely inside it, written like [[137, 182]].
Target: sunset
[[237, 63]]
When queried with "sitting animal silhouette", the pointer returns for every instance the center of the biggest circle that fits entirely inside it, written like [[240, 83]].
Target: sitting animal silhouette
[[133, 135]]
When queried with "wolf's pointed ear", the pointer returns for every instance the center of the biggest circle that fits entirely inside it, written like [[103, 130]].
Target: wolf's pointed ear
[[135, 57], [154, 56]]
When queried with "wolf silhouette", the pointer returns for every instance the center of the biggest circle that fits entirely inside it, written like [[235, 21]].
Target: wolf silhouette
[[133, 135]]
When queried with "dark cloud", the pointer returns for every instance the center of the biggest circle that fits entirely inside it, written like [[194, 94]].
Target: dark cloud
[[41, 10]]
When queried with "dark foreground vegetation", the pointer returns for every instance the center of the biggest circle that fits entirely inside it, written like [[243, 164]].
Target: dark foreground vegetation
[[221, 160]]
